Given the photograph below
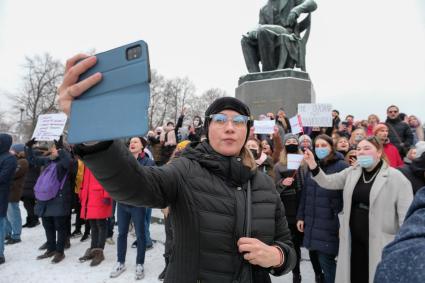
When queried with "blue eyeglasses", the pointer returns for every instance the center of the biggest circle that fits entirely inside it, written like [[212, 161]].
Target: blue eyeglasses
[[238, 121]]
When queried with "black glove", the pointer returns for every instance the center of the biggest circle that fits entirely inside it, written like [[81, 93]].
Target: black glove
[[30, 143], [59, 143]]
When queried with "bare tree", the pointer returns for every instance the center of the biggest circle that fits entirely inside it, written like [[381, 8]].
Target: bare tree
[[43, 76], [200, 103], [4, 124]]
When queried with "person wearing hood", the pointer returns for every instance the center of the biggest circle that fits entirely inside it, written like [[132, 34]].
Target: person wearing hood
[[8, 165], [318, 209], [229, 221], [55, 213], [399, 132], [391, 152], [416, 128], [14, 219], [376, 198], [196, 130], [403, 259], [415, 171]]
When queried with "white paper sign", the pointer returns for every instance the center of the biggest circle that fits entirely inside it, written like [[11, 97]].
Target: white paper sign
[[296, 125], [49, 127], [294, 161], [264, 126], [315, 115]]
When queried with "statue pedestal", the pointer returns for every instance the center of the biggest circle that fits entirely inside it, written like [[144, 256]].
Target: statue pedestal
[[268, 91]]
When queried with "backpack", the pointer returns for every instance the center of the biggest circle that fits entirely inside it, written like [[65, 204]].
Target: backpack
[[48, 185]]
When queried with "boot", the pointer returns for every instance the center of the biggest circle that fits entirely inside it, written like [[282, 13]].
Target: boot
[[47, 254], [161, 276], [43, 246], [67, 243], [85, 237], [88, 255], [296, 278], [58, 257], [98, 257]]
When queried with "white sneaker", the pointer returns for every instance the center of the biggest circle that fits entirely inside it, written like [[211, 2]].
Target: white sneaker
[[140, 272], [118, 269], [110, 241]]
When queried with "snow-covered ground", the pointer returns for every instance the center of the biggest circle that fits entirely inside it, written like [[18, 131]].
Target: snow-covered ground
[[22, 267]]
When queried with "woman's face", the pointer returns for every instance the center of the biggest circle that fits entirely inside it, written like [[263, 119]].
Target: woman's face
[[367, 148], [342, 144], [136, 145], [373, 120], [228, 138], [322, 144], [252, 145], [413, 121], [266, 147]]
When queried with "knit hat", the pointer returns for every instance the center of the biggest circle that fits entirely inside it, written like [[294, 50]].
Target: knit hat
[[227, 103], [17, 147], [420, 148], [379, 127], [304, 137], [288, 137]]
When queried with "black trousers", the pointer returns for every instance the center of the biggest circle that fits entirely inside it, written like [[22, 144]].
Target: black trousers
[[297, 240], [99, 232], [29, 204], [55, 225], [359, 262], [314, 258]]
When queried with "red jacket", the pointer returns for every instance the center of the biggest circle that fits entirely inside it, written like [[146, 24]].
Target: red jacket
[[393, 155], [95, 201]]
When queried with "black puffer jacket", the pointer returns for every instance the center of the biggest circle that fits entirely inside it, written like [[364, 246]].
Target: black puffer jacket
[[400, 135], [415, 172], [207, 194]]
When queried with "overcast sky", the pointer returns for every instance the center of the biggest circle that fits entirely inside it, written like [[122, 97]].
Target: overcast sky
[[362, 56]]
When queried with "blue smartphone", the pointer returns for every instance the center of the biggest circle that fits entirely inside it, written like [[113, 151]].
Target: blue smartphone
[[117, 107]]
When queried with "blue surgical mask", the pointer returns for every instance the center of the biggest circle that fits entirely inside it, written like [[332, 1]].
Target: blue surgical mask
[[365, 161], [322, 152]]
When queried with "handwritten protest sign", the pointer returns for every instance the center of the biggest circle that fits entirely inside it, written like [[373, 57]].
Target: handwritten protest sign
[[264, 126], [296, 124], [49, 127], [294, 161], [315, 115]]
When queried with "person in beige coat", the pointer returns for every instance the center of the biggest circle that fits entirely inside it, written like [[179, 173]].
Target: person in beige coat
[[388, 197]]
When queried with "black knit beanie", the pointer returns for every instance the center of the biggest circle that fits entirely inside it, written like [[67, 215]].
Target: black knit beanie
[[227, 103]]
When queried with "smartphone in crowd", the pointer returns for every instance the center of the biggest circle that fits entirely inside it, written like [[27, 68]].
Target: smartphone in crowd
[[117, 107]]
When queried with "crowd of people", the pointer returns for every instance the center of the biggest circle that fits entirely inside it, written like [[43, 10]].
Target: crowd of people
[[234, 211]]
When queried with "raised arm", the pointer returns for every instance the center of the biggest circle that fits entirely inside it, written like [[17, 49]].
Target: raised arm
[[126, 180]]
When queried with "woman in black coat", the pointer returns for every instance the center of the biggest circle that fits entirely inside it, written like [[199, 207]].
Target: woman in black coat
[[229, 221]]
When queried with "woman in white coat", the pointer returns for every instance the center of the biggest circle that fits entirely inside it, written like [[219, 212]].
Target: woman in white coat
[[376, 199]]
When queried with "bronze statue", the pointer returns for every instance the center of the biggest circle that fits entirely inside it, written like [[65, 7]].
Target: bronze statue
[[276, 42]]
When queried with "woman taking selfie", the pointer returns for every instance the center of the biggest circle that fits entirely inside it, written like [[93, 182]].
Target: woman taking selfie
[[229, 220], [376, 198]]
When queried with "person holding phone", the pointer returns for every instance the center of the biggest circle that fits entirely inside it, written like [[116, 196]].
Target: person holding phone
[[376, 198], [229, 221]]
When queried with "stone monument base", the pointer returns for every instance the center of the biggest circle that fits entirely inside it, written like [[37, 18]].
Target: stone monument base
[[268, 91]]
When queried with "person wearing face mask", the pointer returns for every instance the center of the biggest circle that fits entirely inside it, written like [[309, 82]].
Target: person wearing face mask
[[54, 213], [318, 210], [264, 162], [342, 145], [356, 136], [289, 185], [415, 171], [391, 152], [376, 199], [196, 129]]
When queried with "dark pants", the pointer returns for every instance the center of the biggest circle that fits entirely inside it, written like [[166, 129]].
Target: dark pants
[[29, 204], [328, 264], [99, 231], [359, 262], [297, 239], [53, 225], [314, 258], [111, 220], [168, 239], [127, 213]]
